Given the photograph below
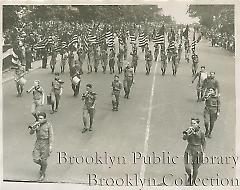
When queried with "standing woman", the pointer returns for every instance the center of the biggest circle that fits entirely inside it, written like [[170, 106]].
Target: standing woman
[[193, 156]]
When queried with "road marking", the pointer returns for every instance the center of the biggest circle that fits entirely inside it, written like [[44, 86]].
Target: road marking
[[145, 150]]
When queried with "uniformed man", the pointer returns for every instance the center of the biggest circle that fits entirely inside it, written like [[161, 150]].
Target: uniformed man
[[201, 76], [63, 61], [134, 59], [111, 60], [156, 51], [53, 61], [128, 80], [193, 156], [19, 79], [70, 59], [211, 111], [125, 51], [44, 143], [120, 61], [75, 74], [195, 61], [116, 89], [179, 52], [211, 82], [104, 60], [148, 58], [38, 98], [90, 60], [89, 98], [174, 62], [163, 62], [56, 92], [96, 60]]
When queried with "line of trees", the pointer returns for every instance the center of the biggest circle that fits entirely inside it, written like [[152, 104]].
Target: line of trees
[[218, 18], [12, 14]]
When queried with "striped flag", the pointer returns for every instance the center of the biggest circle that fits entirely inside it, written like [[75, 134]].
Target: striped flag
[[64, 45], [50, 40], [73, 40], [85, 43], [10, 57], [142, 39], [110, 39], [92, 39], [132, 39], [193, 45], [160, 38], [41, 45]]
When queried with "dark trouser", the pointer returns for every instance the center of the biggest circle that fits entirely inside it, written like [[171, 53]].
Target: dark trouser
[[127, 86], [194, 68], [163, 67], [174, 68], [111, 65], [115, 99], [76, 88], [209, 119], [193, 158], [28, 65], [148, 67], [44, 62], [57, 99], [19, 88], [90, 112]]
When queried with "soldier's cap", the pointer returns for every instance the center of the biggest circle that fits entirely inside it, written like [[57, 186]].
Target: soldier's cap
[[116, 76], [42, 114], [203, 67], [212, 72], [89, 85]]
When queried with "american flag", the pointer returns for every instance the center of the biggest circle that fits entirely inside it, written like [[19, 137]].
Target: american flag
[[160, 39], [41, 45], [92, 39], [194, 42], [132, 39], [73, 40], [85, 43], [142, 39], [110, 39]]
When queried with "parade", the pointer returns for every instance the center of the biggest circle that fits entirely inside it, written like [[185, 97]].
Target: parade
[[94, 72]]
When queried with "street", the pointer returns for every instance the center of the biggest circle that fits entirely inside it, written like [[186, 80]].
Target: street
[[152, 120]]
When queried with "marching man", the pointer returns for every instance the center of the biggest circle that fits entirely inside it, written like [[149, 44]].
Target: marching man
[[128, 80], [89, 98], [116, 89], [19, 79], [38, 98]]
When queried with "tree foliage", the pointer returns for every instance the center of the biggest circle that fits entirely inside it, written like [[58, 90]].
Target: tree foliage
[[217, 17]]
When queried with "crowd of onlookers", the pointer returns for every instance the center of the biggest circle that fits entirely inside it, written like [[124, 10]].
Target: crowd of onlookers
[[224, 40]]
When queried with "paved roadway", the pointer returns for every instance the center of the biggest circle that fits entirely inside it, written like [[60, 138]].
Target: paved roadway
[[152, 120]]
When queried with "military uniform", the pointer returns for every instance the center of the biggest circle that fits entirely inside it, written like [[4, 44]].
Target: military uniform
[[38, 98], [53, 61], [43, 144], [163, 63], [210, 83], [148, 58], [134, 60], [104, 60], [89, 99], [112, 61], [193, 156], [194, 64], [63, 61], [125, 51], [201, 77], [156, 51], [19, 73], [120, 61], [211, 112], [116, 89], [75, 72], [174, 63], [128, 80], [96, 61], [56, 93]]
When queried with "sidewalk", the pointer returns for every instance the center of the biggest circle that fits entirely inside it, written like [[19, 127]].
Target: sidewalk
[[9, 74]]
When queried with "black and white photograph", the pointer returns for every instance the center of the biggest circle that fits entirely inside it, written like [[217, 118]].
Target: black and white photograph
[[119, 95]]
